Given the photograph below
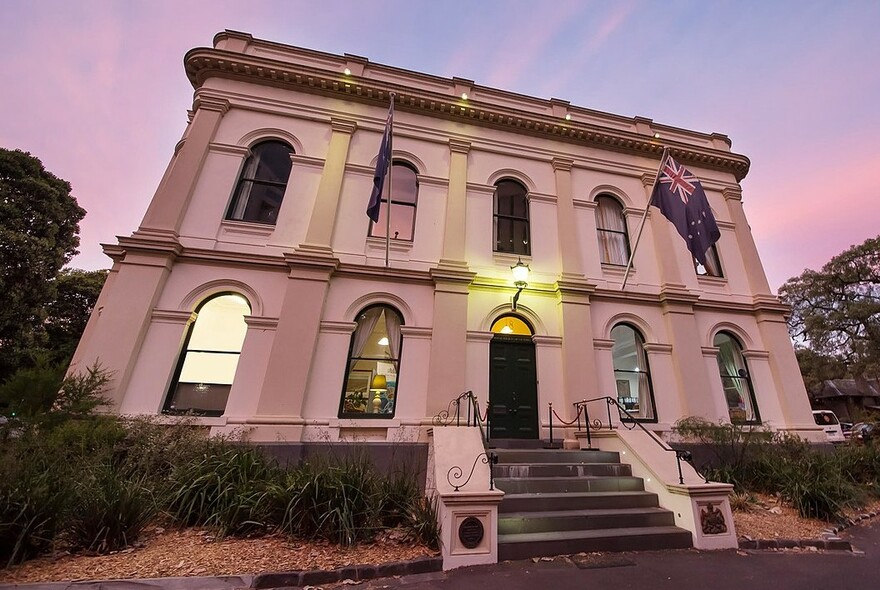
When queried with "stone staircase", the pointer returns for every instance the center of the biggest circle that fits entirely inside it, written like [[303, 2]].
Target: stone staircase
[[559, 502]]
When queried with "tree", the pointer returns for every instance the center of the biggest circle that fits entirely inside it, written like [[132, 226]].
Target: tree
[[836, 311], [76, 292], [39, 226]]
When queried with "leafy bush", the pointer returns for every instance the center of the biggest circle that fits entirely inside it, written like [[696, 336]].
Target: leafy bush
[[108, 510], [226, 489]]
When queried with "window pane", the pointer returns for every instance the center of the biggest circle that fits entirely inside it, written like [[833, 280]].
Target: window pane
[[370, 387], [207, 365], [402, 221], [735, 380], [262, 184], [631, 373], [404, 185], [613, 247]]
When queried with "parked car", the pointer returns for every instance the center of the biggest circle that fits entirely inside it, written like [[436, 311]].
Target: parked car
[[864, 432], [830, 425], [846, 427]]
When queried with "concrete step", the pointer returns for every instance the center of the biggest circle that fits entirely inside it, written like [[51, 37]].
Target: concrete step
[[562, 469], [507, 456], [573, 520], [543, 485], [517, 443], [540, 502], [525, 545]]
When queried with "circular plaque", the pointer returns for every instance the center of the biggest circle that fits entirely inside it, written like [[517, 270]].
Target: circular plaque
[[470, 532]]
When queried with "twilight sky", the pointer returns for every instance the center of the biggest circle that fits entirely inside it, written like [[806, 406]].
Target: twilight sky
[[96, 89]]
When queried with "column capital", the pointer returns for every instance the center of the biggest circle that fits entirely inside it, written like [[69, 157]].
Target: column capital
[[648, 179], [210, 103], [732, 194], [457, 146], [343, 125], [562, 164]]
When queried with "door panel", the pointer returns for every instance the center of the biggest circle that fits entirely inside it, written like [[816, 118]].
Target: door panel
[[513, 387]]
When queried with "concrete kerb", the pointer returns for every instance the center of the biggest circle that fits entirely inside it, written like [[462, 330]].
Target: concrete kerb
[[265, 581], [829, 541]]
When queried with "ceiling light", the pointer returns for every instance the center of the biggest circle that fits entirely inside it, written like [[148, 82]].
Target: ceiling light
[[383, 341]]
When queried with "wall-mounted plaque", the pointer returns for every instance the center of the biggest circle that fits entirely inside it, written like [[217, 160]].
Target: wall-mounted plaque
[[470, 532]]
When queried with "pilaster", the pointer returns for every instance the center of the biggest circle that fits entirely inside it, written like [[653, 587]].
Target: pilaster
[[320, 230], [166, 210], [758, 284], [454, 239], [569, 251]]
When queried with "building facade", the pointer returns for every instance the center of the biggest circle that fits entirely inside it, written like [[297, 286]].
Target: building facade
[[255, 293]]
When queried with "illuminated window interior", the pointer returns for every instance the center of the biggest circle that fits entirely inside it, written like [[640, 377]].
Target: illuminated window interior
[[511, 324]]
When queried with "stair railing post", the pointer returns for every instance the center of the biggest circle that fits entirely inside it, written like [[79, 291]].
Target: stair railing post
[[488, 418], [587, 422], [551, 424], [608, 407]]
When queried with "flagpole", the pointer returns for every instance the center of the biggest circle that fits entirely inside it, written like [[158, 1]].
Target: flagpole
[[644, 217], [390, 180]]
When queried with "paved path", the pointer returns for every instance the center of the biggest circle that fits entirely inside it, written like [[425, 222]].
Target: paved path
[[660, 570]]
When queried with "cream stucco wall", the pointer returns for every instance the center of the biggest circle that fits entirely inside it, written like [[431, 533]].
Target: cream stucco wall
[[308, 276]]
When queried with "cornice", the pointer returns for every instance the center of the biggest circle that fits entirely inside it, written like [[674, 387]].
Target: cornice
[[261, 322], [171, 316], [202, 64], [331, 327], [416, 332]]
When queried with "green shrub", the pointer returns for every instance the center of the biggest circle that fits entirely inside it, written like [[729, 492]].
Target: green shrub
[[423, 521], [32, 499], [225, 489], [108, 510]]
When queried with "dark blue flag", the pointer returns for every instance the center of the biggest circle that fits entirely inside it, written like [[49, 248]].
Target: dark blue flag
[[382, 165], [680, 197]]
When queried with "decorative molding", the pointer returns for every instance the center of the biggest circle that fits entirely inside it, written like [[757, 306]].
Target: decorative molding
[[658, 348], [732, 194], [261, 322], [309, 161], [244, 228], [725, 224], [433, 181], [416, 332], [562, 164], [709, 351], [542, 198], [533, 116], [547, 341], [603, 344], [211, 103], [346, 126], [231, 150], [171, 316], [484, 189], [475, 336], [331, 327], [756, 354], [459, 146], [579, 204]]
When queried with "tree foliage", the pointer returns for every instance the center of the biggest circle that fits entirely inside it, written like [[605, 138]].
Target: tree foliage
[[39, 226], [75, 294], [836, 310]]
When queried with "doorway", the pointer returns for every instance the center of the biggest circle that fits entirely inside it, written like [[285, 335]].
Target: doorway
[[513, 380]]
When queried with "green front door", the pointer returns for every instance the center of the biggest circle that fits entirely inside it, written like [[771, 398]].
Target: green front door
[[513, 387]]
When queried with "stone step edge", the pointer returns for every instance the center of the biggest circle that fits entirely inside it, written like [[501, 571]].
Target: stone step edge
[[833, 544], [356, 573]]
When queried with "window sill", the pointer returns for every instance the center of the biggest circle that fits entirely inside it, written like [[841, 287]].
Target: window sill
[[617, 269], [508, 259], [375, 244], [244, 230], [171, 418], [710, 280]]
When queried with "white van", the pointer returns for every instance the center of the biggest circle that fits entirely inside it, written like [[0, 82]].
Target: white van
[[829, 423]]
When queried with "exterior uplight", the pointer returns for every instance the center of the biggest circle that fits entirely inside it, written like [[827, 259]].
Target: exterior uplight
[[568, 117], [347, 72], [464, 95]]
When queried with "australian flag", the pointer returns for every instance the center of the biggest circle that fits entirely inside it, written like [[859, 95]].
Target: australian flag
[[383, 163], [680, 197]]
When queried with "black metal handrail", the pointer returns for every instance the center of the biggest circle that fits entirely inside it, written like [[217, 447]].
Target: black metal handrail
[[456, 473], [551, 412], [465, 407], [680, 455]]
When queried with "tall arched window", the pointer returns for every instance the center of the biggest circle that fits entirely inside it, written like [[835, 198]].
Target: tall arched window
[[611, 230], [511, 218], [262, 183], [209, 358], [632, 374], [370, 387], [735, 380], [404, 197]]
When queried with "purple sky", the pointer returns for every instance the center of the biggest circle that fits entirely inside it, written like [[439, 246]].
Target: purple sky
[[96, 89]]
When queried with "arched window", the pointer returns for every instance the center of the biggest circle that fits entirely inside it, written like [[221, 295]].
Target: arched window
[[404, 197], [262, 183], [735, 380], [511, 217], [632, 374], [712, 268], [209, 358], [611, 230], [370, 388]]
